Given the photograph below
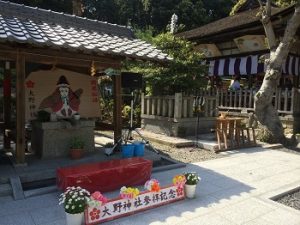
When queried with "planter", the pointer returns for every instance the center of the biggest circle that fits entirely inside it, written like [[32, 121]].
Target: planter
[[139, 148], [190, 190], [76, 153], [127, 151], [77, 117], [53, 117], [74, 219]]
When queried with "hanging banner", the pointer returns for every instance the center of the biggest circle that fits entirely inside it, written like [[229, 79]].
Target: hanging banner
[[61, 92], [121, 207]]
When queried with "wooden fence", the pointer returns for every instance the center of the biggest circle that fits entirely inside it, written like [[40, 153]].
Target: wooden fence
[[208, 103]]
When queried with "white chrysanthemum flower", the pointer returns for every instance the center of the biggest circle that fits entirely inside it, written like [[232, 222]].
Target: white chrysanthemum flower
[[67, 206], [73, 207], [123, 189]]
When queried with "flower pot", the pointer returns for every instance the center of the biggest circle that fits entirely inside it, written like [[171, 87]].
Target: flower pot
[[53, 117], [77, 117], [76, 153], [75, 219], [127, 151], [190, 190]]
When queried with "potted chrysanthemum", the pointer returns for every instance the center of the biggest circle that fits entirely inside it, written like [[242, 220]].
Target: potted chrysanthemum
[[75, 201], [192, 180]]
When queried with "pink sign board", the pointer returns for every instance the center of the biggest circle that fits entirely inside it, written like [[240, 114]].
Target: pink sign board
[[120, 207]]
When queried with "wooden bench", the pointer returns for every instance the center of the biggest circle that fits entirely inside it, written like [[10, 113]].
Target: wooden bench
[[105, 176]]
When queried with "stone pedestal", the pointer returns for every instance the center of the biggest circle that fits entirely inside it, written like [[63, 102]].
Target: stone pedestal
[[52, 139]]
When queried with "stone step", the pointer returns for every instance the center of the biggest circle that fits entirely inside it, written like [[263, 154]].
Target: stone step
[[5, 189], [208, 145], [40, 191], [4, 180], [37, 175], [165, 140]]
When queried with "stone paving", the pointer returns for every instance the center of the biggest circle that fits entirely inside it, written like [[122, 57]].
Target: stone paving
[[234, 190]]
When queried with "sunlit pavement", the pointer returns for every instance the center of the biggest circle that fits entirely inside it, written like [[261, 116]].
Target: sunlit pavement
[[233, 190]]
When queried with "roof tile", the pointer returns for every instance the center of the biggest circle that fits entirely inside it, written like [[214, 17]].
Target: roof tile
[[19, 23]]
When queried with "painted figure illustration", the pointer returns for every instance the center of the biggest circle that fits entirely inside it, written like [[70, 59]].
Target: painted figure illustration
[[63, 101]]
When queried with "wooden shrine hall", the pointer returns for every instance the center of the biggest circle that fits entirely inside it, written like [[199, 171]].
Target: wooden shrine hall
[[37, 36]]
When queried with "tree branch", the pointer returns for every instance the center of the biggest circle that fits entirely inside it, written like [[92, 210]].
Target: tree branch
[[260, 3], [289, 33], [267, 24], [268, 8]]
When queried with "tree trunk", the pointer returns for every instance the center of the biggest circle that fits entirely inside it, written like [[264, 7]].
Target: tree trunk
[[266, 113]]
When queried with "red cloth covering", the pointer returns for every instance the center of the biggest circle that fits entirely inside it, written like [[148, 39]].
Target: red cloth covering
[[105, 176]]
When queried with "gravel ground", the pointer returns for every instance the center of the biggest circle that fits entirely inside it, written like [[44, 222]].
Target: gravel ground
[[185, 155], [291, 200]]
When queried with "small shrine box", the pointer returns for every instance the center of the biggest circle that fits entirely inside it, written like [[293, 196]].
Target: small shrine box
[[105, 176]]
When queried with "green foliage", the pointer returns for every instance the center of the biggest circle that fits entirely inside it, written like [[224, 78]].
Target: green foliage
[[55, 5], [74, 199], [136, 117], [105, 86], [76, 143], [280, 3], [285, 3], [237, 6], [143, 14], [192, 178], [265, 135], [191, 13], [182, 73]]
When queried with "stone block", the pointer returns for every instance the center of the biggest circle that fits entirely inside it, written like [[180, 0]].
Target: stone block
[[17, 189], [182, 127], [52, 139]]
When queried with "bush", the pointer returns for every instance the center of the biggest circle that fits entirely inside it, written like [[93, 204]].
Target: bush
[[265, 135], [74, 199], [192, 178], [76, 143]]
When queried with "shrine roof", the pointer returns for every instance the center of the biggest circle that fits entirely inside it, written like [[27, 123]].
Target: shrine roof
[[231, 23], [46, 28]]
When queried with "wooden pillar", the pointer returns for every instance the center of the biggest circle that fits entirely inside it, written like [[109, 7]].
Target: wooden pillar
[[7, 105], [117, 108], [20, 108]]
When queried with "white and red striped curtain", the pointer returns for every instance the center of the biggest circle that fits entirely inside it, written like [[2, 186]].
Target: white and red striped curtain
[[247, 65]]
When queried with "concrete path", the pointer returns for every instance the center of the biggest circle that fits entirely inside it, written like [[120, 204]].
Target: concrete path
[[233, 190]]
